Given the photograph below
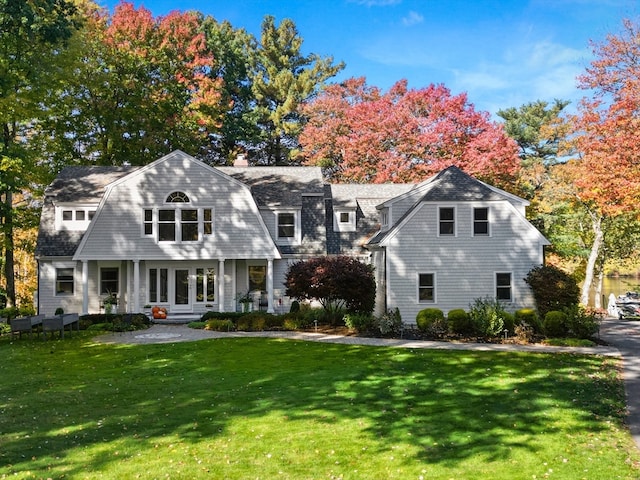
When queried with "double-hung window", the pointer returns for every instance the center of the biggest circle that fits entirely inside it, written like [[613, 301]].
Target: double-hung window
[[426, 287], [288, 227], [447, 219], [503, 286], [481, 221], [64, 281]]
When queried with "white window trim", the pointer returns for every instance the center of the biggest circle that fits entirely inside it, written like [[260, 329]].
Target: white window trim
[[349, 226], [455, 220], [74, 225], [435, 289], [473, 221], [56, 266], [384, 218], [511, 286], [177, 207], [297, 225]]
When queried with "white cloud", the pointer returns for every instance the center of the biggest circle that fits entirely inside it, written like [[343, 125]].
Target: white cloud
[[413, 18], [522, 74]]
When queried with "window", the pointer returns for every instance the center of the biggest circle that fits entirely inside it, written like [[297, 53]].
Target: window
[[158, 285], [167, 225], [426, 288], [503, 286], [148, 222], [189, 225], [257, 278], [64, 281], [178, 224], [286, 225], [480, 221], [207, 221], [177, 197], [344, 221], [205, 285], [74, 217], [109, 280], [447, 221], [384, 218]]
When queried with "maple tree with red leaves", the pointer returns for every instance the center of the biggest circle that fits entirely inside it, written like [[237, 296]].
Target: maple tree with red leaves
[[404, 135], [606, 176], [132, 62]]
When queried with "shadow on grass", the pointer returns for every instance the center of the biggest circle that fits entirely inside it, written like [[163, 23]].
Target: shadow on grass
[[63, 396]]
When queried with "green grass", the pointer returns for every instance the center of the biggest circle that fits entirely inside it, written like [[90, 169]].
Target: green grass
[[259, 408]]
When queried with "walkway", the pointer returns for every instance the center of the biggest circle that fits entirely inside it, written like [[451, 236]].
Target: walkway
[[623, 336]]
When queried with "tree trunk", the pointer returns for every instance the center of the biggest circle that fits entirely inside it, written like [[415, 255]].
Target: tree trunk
[[598, 239], [598, 294], [8, 250]]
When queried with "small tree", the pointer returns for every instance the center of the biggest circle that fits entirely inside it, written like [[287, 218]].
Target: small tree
[[336, 282], [552, 288]]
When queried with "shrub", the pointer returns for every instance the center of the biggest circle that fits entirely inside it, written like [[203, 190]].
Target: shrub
[[4, 328], [552, 289], [427, 316], [487, 317], [460, 322], [197, 325], [221, 315], [524, 333], [528, 316], [335, 281], [360, 322], [274, 321], [295, 306], [59, 311], [220, 325], [118, 322], [581, 322], [431, 322], [390, 323], [509, 322], [555, 324], [9, 313]]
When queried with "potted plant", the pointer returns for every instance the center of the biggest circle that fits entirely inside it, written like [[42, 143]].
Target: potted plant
[[110, 302], [147, 309], [246, 302]]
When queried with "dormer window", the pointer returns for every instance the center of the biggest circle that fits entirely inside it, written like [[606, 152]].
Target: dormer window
[[384, 218], [344, 220], [74, 217], [288, 229]]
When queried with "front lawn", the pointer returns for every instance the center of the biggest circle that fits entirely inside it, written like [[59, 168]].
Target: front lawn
[[260, 408]]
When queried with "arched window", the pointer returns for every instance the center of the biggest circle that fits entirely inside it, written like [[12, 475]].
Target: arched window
[[177, 197]]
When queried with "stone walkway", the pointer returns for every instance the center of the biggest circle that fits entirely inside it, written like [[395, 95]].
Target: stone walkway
[[623, 336]]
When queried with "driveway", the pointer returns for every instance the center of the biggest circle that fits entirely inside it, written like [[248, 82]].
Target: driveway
[[625, 336]]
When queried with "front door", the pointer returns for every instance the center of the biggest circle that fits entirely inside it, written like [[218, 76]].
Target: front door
[[181, 294]]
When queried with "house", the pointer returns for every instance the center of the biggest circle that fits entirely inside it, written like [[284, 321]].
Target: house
[[189, 237]]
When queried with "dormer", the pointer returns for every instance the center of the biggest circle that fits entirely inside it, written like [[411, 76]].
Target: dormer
[[344, 220], [73, 216]]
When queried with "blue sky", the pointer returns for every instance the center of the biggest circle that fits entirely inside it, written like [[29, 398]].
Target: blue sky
[[502, 53]]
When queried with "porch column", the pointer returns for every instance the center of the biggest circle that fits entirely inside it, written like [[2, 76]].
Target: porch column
[[136, 286], [270, 285], [85, 287], [221, 285]]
